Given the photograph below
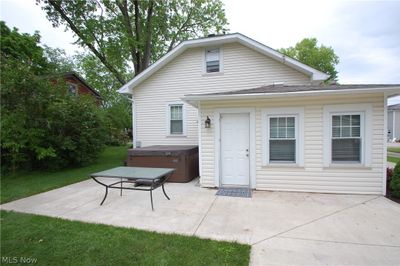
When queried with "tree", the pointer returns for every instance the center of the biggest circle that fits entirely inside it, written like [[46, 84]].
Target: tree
[[123, 34], [41, 124], [322, 58]]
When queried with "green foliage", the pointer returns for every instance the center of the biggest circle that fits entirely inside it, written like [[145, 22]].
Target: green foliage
[[42, 125], [321, 57], [27, 183], [395, 181], [126, 36], [116, 108]]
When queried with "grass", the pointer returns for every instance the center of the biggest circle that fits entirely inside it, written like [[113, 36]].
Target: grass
[[394, 149], [25, 184], [54, 241], [393, 159]]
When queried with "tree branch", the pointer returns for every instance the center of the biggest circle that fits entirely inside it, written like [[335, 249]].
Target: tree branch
[[137, 34], [56, 5], [149, 31], [123, 7]]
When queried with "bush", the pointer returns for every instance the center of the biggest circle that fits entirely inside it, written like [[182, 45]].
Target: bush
[[395, 181], [42, 126]]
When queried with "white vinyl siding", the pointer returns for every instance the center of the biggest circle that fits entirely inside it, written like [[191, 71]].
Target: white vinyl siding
[[313, 176], [243, 68]]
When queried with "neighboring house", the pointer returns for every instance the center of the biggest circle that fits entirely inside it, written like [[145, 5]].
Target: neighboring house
[[262, 119], [393, 122], [78, 86]]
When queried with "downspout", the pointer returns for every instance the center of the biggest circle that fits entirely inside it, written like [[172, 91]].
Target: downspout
[[385, 141], [393, 125], [133, 122]]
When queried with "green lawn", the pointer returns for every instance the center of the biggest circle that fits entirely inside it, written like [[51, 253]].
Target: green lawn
[[393, 159], [54, 241], [25, 184], [394, 149]]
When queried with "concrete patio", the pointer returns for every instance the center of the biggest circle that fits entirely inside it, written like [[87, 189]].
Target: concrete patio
[[283, 228]]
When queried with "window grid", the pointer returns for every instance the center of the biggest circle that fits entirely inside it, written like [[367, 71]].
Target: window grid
[[346, 138], [176, 119], [346, 126], [282, 139]]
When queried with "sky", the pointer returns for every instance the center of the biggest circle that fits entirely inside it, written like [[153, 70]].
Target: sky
[[364, 34]]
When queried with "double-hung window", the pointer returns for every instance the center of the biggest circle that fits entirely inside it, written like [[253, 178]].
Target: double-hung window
[[282, 139], [346, 137], [213, 60], [176, 125]]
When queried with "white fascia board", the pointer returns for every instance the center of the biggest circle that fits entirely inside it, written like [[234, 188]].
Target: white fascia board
[[211, 41], [192, 99]]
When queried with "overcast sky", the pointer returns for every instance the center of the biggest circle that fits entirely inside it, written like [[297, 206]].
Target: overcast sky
[[364, 34]]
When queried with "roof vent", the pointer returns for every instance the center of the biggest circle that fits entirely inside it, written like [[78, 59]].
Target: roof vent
[[211, 35]]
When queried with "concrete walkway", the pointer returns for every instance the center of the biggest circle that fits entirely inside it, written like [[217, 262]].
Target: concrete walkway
[[283, 228]]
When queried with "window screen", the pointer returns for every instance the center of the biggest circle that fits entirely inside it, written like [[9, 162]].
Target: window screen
[[346, 138], [212, 60], [176, 119], [282, 139]]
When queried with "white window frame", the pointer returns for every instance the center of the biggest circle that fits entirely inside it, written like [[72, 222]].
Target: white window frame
[[168, 116], [221, 65], [365, 112], [362, 133], [298, 114]]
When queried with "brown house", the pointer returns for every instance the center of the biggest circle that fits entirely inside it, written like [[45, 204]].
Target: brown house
[[78, 86]]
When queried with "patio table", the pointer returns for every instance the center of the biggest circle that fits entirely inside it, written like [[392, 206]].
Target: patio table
[[143, 178]]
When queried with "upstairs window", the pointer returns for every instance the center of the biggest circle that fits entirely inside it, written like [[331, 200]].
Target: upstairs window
[[346, 138], [212, 60], [72, 88], [176, 119]]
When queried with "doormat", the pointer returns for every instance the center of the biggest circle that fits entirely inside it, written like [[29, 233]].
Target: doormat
[[234, 192]]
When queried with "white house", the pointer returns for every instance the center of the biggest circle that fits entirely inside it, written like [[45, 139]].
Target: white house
[[393, 122], [273, 124]]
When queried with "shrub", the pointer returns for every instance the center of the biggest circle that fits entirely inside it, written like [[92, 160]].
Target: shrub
[[395, 181]]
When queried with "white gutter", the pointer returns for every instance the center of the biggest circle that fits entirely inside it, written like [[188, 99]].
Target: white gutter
[[191, 99]]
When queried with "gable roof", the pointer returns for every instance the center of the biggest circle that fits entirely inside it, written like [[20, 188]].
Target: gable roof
[[315, 75], [293, 90], [75, 75]]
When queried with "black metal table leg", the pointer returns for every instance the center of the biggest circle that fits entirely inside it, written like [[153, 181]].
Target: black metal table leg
[[105, 196], [151, 199], [164, 192], [120, 193]]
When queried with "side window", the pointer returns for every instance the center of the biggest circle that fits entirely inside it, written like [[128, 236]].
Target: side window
[[282, 139], [212, 60], [176, 119], [346, 138], [72, 88]]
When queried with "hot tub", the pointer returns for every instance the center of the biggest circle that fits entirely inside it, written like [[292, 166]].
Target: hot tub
[[184, 158]]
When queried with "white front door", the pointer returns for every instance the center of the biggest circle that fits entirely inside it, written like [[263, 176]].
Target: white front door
[[235, 148]]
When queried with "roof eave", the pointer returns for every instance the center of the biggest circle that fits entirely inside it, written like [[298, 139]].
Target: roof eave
[[191, 99]]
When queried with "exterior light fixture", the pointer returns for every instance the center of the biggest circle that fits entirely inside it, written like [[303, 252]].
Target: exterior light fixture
[[207, 123]]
